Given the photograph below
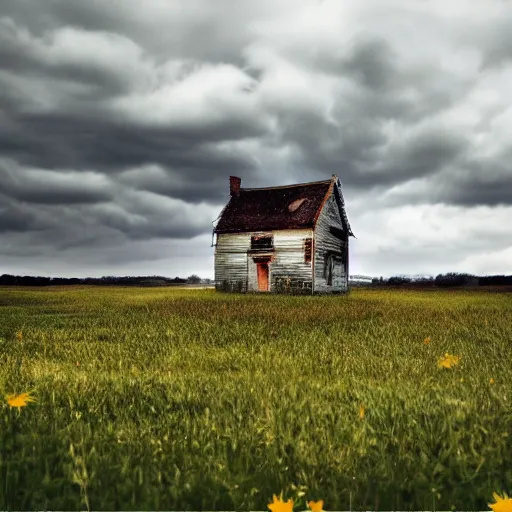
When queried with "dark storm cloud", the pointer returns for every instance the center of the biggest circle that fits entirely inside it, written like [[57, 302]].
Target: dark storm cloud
[[63, 141], [353, 140], [371, 63], [57, 114], [364, 156], [17, 218], [91, 227], [50, 187], [83, 134], [51, 58], [144, 217], [417, 157], [480, 191], [487, 183], [120, 124], [199, 30]]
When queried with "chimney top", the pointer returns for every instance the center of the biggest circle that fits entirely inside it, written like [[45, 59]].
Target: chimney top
[[234, 185]]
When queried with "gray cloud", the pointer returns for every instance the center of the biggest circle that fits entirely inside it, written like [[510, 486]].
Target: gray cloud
[[480, 183], [50, 187], [16, 218], [119, 126], [372, 64]]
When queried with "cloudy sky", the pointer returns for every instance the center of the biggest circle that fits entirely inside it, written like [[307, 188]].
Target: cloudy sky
[[121, 121]]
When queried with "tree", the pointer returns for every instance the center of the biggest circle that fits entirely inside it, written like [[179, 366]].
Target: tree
[[193, 279]]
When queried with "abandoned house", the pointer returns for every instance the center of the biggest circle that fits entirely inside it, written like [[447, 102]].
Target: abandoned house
[[283, 239]]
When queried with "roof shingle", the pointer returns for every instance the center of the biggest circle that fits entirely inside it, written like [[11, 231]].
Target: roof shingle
[[267, 209]]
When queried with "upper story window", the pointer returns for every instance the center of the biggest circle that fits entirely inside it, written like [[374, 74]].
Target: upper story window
[[262, 242]]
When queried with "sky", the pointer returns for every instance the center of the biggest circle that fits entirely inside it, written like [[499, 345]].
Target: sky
[[121, 122]]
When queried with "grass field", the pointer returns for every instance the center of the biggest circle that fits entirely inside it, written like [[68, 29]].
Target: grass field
[[189, 399]]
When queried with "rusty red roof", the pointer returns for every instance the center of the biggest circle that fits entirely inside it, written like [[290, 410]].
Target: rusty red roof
[[267, 209]]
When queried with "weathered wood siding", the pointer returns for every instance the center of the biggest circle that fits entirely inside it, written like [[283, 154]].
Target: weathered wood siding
[[231, 261], [235, 269], [289, 272], [325, 242]]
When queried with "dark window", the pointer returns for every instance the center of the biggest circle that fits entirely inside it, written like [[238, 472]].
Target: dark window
[[261, 242], [308, 243], [337, 232], [328, 268]]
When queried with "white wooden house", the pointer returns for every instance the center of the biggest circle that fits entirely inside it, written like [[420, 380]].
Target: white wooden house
[[291, 239]]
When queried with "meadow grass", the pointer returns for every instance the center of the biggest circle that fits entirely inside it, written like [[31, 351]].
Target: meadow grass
[[190, 399]]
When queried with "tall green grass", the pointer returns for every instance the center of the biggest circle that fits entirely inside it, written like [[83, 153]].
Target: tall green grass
[[189, 399]]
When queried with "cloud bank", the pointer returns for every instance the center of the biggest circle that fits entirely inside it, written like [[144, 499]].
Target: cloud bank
[[119, 127]]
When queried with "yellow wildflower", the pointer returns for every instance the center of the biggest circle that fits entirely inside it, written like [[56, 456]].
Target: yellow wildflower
[[448, 360], [316, 506], [19, 336], [491, 381], [426, 340], [501, 504], [361, 411], [20, 400], [278, 505]]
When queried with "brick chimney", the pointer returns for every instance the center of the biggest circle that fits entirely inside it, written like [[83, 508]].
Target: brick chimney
[[234, 185]]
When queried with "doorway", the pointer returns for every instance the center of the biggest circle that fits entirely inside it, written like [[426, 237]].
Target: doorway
[[262, 270]]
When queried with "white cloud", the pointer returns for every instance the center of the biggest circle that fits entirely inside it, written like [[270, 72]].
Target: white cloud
[[208, 96], [433, 238]]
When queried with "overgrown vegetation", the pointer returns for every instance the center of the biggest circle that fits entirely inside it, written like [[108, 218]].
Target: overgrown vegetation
[[190, 399]]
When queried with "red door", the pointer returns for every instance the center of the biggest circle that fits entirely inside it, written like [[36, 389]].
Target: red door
[[262, 269]]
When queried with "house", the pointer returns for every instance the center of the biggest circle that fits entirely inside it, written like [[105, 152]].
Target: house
[[283, 239]]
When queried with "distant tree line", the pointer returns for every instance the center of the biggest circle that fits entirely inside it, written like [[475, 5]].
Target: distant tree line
[[449, 280], [10, 280]]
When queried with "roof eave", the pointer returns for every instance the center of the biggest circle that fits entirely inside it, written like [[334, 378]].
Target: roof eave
[[324, 200], [262, 229], [343, 212]]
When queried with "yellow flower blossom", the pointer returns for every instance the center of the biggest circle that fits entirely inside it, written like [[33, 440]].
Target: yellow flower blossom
[[426, 340], [361, 411], [316, 506], [448, 361], [278, 505], [491, 381], [20, 400], [501, 504], [19, 336]]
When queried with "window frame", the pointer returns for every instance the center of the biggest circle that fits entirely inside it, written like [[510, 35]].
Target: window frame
[[257, 243], [308, 250]]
